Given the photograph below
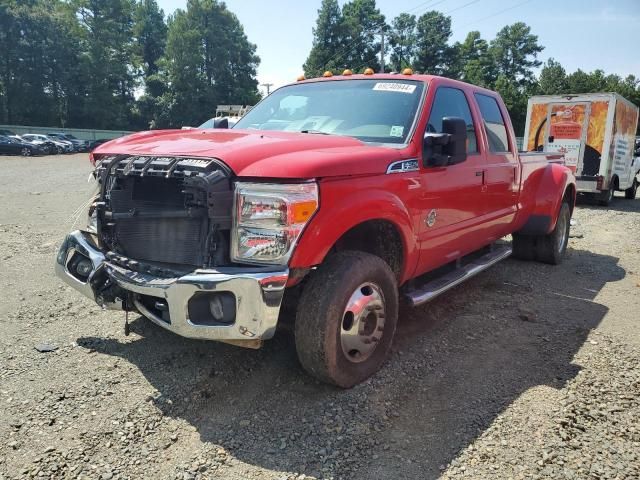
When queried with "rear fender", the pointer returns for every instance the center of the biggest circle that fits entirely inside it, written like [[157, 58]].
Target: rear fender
[[339, 213], [542, 197]]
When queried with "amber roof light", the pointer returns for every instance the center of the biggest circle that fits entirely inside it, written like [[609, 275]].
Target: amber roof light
[[301, 78], [347, 72], [407, 71], [328, 73], [368, 71]]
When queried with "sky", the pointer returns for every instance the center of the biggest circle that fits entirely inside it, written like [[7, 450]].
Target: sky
[[585, 34]]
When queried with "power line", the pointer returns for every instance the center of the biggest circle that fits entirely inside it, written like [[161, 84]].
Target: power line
[[499, 12]]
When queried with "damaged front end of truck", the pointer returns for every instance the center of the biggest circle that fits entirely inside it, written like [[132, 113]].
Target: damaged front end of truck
[[158, 241]]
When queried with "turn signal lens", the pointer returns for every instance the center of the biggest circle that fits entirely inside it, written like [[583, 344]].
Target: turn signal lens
[[301, 212], [368, 71], [327, 74]]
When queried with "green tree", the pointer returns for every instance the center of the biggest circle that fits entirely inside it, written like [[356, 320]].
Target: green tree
[[475, 65], [515, 99], [434, 56], [402, 39], [515, 51], [553, 78], [107, 40], [208, 61], [327, 40], [362, 21]]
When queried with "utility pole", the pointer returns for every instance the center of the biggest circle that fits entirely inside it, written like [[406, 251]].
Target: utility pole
[[381, 51], [267, 86]]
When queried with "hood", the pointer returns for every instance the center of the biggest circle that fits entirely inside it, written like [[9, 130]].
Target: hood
[[251, 153]]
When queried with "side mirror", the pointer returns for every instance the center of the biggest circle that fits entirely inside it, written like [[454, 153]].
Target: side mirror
[[551, 138], [448, 147], [221, 122]]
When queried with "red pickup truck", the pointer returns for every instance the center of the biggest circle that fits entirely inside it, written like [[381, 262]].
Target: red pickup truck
[[342, 195]]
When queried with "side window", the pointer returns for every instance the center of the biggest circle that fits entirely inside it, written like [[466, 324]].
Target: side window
[[494, 123], [451, 102]]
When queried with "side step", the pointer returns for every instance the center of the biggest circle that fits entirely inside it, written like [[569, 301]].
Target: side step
[[430, 290]]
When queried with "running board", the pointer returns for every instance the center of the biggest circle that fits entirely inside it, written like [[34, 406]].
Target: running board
[[430, 290]]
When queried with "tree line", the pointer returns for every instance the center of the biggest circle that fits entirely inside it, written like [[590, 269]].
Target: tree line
[[120, 64], [349, 37]]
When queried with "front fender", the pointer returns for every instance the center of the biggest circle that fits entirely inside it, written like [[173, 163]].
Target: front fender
[[341, 209], [541, 198]]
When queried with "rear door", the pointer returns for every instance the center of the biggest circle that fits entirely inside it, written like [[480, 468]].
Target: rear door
[[502, 169], [567, 124]]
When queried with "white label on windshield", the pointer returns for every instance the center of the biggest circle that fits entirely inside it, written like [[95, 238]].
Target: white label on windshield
[[394, 87], [396, 131]]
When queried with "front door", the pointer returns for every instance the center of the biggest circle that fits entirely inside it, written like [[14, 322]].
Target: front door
[[451, 202], [567, 124]]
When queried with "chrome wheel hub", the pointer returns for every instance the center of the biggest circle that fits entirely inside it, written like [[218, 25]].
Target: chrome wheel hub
[[362, 324]]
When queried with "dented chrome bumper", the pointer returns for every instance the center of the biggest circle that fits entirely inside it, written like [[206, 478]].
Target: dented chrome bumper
[[249, 299]]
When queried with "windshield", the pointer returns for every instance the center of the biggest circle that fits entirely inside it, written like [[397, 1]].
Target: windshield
[[370, 110]]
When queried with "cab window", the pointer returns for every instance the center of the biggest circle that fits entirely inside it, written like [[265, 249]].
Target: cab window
[[493, 123], [451, 102]]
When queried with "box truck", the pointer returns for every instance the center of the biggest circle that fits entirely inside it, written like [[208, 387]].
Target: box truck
[[595, 132]]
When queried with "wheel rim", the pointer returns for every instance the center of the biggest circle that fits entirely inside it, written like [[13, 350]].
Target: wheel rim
[[362, 323], [26, 152], [563, 232]]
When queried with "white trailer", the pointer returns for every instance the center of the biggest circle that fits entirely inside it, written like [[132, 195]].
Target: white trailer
[[595, 132]]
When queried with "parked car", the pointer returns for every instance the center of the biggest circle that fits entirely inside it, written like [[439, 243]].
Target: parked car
[[58, 146], [47, 146], [11, 146], [96, 143], [79, 145], [337, 196], [68, 146]]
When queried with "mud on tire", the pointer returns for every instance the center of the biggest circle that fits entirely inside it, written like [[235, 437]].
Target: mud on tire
[[351, 298]]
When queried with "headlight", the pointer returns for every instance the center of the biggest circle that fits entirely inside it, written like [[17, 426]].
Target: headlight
[[269, 219]]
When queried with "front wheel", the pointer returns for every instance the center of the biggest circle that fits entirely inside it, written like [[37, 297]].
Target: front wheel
[[25, 152], [346, 318]]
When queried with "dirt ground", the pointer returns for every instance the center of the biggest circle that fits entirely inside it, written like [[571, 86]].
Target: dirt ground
[[527, 371]]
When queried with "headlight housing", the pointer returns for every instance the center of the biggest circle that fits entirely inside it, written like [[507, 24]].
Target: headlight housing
[[268, 220]]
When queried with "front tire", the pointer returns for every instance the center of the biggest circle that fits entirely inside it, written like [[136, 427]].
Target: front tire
[[25, 152], [346, 318]]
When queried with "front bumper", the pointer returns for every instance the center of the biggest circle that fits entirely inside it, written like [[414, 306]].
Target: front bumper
[[257, 292]]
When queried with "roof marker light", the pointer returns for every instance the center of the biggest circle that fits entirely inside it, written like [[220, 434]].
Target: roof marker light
[[407, 71], [368, 71], [328, 73], [347, 72], [301, 78]]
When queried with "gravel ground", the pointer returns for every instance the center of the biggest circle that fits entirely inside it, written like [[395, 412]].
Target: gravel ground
[[527, 371]]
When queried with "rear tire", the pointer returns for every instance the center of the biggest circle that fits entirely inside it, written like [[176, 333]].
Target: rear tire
[[605, 198], [523, 247], [346, 318], [630, 193], [25, 152], [552, 247]]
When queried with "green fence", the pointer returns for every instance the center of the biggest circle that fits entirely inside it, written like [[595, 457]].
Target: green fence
[[81, 133]]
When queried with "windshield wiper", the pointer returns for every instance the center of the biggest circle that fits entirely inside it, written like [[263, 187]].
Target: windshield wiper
[[315, 132]]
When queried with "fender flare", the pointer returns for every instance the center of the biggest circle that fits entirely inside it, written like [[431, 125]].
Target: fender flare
[[550, 191], [331, 222]]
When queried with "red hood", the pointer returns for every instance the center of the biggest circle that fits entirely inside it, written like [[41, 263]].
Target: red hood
[[263, 154]]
